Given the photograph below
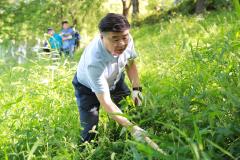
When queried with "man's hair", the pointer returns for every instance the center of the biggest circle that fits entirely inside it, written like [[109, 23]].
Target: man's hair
[[113, 22], [63, 22]]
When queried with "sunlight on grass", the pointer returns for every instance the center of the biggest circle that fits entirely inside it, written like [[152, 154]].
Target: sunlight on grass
[[189, 67]]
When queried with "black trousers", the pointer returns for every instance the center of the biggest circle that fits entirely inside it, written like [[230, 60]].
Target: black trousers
[[88, 104]]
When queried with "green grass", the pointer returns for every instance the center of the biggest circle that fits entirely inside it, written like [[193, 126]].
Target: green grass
[[190, 73]]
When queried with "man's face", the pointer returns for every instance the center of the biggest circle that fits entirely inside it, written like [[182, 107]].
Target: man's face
[[115, 42], [65, 25]]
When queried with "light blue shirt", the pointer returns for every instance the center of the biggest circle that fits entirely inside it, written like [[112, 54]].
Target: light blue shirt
[[70, 42], [99, 70]]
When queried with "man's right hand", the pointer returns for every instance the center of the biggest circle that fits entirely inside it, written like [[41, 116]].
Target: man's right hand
[[138, 133], [111, 108]]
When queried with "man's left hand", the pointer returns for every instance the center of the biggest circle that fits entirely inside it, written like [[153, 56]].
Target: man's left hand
[[137, 97]]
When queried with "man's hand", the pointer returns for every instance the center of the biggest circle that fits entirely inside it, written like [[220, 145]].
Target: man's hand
[[137, 97], [138, 133]]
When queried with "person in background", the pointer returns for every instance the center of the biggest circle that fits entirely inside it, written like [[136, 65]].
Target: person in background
[[99, 79], [55, 40], [67, 35]]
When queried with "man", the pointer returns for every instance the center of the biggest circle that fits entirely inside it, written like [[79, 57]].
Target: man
[[100, 78], [67, 35], [55, 40]]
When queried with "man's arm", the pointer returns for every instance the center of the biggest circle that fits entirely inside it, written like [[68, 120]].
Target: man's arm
[[67, 36], [132, 73], [111, 108], [64, 38], [115, 113]]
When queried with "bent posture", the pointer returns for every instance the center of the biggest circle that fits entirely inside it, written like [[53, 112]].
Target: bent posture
[[100, 75]]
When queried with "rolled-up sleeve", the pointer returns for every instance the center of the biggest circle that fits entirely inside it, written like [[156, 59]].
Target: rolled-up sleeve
[[96, 79]]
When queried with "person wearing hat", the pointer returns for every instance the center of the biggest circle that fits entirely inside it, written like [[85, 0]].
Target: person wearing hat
[[99, 79]]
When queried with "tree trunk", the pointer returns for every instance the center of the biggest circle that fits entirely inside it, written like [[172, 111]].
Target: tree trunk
[[176, 2], [74, 19], [75, 22], [200, 6], [125, 7], [135, 10]]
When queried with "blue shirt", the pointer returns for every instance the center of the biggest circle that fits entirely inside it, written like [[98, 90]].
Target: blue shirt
[[55, 41], [98, 69], [70, 42]]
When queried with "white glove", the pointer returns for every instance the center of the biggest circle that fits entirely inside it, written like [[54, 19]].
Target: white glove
[[138, 133], [137, 97]]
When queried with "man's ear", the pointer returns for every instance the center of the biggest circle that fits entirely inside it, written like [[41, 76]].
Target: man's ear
[[101, 34]]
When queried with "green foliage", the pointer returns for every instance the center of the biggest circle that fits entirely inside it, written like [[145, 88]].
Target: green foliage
[[191, 74], [186, 6], [189, 69], [237, 6], [29, 19], [160, 5]]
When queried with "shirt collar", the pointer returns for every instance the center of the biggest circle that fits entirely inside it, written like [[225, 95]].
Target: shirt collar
[[106, 53]]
